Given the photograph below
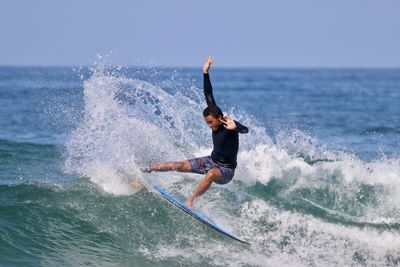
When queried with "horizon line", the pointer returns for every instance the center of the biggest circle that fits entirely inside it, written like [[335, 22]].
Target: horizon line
[[195, 67]]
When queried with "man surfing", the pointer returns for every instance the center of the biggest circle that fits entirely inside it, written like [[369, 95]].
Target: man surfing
[[220, 166]]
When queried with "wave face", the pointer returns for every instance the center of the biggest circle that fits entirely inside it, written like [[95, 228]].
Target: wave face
[[300, 196]]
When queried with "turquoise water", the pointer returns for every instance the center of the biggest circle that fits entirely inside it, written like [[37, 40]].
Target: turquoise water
[[317, 182]]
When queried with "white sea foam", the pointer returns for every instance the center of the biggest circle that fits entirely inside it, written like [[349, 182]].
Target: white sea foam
[[287, 238], [117, 136]]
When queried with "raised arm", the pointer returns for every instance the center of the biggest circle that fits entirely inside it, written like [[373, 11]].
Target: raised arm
[[208, 94]]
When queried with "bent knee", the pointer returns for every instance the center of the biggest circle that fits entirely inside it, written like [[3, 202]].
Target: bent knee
[[214, 174]]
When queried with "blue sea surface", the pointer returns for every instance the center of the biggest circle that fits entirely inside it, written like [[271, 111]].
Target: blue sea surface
[[317, 183]]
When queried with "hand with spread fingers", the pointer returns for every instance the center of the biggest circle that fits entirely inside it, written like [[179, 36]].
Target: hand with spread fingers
[[207, 64], [228, 123]]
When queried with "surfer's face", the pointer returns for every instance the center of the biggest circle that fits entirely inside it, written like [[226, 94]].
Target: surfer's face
[[213, 122]]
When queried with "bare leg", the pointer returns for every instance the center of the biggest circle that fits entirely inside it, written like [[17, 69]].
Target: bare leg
[[211, 176], [181, 166]]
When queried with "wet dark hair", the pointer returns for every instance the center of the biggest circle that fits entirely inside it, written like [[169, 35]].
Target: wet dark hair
[[214, 111]]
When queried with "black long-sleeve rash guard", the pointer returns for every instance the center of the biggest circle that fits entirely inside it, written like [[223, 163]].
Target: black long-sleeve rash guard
[[226, 142]]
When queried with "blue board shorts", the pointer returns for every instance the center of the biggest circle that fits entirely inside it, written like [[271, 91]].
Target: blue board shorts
[[204, 164]]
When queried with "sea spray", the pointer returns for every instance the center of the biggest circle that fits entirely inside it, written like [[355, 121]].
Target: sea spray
[[128, 123]]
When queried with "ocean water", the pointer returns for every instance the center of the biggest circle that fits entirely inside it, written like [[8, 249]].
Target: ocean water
[[317, 183]]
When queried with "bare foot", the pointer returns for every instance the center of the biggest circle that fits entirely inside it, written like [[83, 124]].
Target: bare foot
[[136, 184], [189, 203]]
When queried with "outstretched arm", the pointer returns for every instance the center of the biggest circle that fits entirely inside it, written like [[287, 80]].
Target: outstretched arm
[[207, 83]]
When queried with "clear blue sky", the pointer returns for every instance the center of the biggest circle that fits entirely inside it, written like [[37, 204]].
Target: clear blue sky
[[270, 33]]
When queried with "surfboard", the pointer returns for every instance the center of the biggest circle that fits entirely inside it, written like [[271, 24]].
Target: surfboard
[[201, 218]]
